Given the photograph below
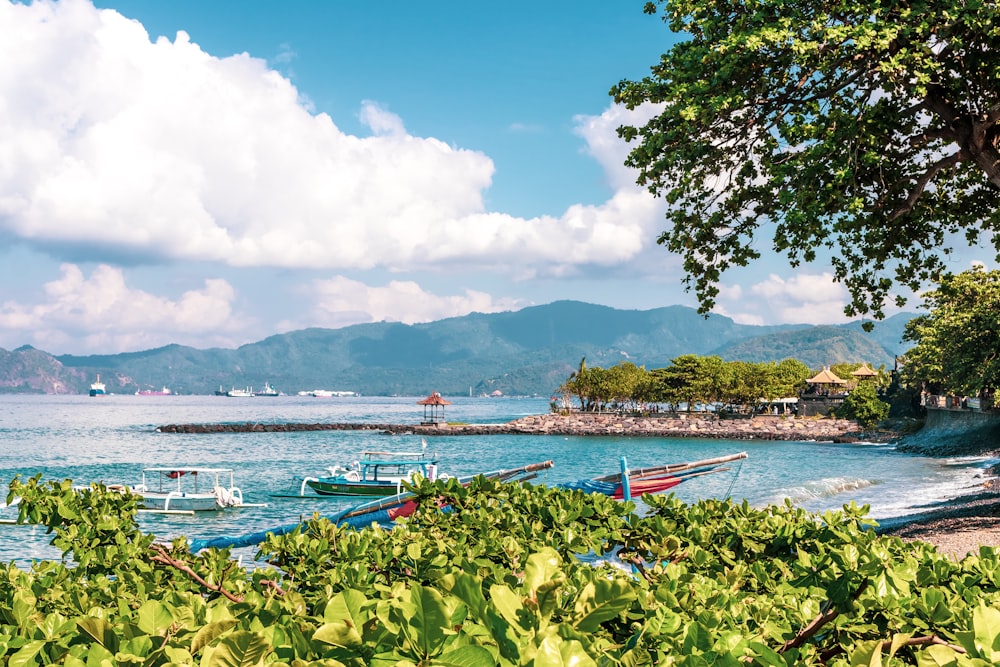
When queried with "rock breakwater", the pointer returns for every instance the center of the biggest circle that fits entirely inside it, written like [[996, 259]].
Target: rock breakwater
[[762, 427]]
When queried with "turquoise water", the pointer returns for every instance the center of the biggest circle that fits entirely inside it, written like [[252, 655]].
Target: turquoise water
[[112, 438]]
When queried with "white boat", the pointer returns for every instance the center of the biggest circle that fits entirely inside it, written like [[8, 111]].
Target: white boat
[[97, 388], [188, 489], [268, 390], [241, 393], [154, 392]]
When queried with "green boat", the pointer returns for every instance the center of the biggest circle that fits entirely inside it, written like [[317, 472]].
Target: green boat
[[375, 474]]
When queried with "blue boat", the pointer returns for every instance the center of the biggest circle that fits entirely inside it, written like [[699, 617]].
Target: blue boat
[[97, 388]]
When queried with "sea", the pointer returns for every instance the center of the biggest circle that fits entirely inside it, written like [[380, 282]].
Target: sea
[[112, 438]]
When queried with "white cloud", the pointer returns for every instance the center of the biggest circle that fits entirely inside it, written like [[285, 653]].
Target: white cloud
[[101, 313], [121, 145], [603, 144], [341, 302], [801, 298]]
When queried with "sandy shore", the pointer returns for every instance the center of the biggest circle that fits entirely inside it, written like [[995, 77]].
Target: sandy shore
[[956, 527]]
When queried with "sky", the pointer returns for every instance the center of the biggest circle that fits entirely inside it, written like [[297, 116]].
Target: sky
[[213, 173]]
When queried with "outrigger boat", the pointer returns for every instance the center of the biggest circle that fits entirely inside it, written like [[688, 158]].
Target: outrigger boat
[[385, 511], [629, 484], [188, 490], [382, 511], [376, 474]]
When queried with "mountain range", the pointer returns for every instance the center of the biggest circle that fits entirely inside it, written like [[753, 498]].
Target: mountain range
[[525, 352]]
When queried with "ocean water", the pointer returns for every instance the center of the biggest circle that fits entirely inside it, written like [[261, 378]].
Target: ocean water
[[112, 438]]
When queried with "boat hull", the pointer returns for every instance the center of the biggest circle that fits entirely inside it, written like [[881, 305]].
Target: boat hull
[[333, 487], [189, 502]]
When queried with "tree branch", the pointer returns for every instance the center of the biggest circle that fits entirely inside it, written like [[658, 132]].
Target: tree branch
[[822, 619], [161, 556], [272, 584], [923, 181]]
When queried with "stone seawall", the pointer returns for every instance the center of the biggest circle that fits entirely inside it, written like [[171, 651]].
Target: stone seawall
[[955, 433], [762, 427]]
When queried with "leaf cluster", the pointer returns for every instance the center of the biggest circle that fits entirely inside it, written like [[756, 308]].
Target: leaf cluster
[[506, 574], [957, 344], [863, 131], [688, 381]]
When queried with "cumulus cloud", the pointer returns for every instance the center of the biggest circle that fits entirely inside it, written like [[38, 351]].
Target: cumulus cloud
[[120, 144], [603, 144], [341, 301], [101, 313], [801, 298]]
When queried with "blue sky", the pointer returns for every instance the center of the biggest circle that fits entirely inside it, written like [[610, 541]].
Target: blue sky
[[212, 173]]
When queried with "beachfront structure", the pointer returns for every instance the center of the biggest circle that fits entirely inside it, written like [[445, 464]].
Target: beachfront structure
[[824, 392], [433, 409], [865, 374]]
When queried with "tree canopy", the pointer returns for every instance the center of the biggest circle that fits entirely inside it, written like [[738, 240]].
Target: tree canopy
[[867, 130], [957, 344], [689, 381]]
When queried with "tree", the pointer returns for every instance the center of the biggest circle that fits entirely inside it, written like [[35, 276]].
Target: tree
[[958, 342], [867, 129], [790, 376], [690, 379], [863, 405], [579, 384]]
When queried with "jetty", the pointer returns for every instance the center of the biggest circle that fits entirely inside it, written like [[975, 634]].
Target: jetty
[[681, 425]]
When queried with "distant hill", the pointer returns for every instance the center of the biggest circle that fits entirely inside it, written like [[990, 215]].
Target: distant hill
[[526, 352], [826, 345]]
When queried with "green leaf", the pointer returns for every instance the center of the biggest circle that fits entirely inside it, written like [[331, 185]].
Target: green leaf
[[469, 590], [342, 634], [240, 649], [209, 633], [542, 567], [508, 604], [348, 605], [25, 656], [937, 656], [427, 620], [986, 626], [466, 656], [867, 654], [600, 601], [154, 618], [557, 652], [101, 632]]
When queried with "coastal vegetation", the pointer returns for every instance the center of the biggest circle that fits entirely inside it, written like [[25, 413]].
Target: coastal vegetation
[[865, 132], [863, 406], [957, 344], [693, 382], [510, 576]]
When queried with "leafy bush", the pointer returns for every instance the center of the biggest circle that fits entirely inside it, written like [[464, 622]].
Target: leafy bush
[[864, 406], [508, 575]]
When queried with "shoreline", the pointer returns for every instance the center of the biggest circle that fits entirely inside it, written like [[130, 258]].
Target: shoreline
[[957, 527]]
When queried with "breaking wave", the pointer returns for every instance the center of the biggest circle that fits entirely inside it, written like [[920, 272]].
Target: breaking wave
[[823, 488]]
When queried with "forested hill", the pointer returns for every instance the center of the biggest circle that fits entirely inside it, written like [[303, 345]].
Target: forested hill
[[530, 351]]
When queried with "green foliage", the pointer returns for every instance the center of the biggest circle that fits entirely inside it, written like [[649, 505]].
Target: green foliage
[[958, 341], [507, 577], [866, 128], [864, 406], [689, 381]]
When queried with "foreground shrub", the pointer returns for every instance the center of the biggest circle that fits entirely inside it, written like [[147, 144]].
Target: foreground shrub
[[506, 574]]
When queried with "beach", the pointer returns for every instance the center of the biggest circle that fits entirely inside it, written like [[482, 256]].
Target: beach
[[957, 527]]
